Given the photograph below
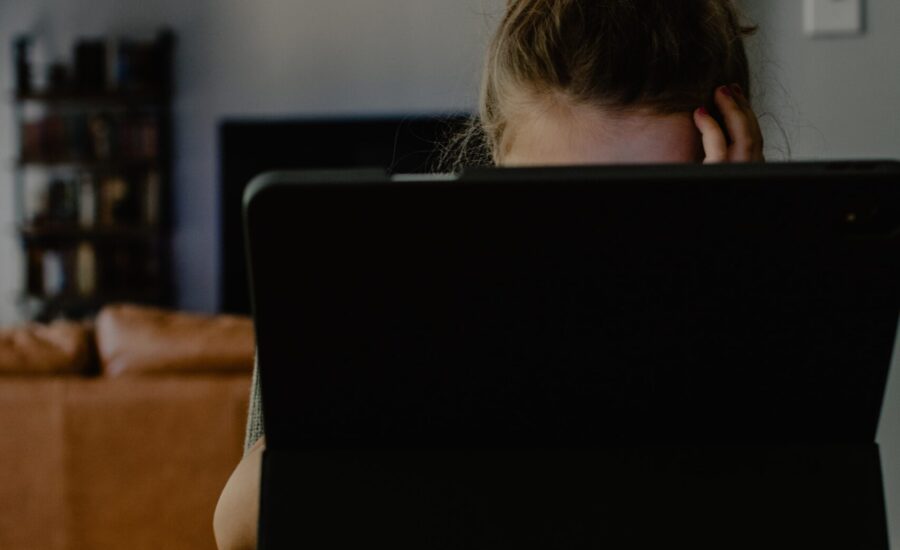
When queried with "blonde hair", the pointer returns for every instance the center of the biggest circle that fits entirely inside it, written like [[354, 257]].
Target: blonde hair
[[667, 56]]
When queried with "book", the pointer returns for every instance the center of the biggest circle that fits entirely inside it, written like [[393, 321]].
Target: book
[[113, 192], [87, 201], [90, 66], [54, 271], [86, 270], [151, 200]]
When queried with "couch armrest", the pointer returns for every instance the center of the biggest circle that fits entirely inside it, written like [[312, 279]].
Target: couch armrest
[[62, 347], [142, 340]]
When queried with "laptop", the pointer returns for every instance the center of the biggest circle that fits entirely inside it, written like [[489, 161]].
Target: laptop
[[575, 356]]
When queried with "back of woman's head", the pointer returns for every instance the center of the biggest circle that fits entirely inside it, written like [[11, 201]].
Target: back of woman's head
[[664, 56]]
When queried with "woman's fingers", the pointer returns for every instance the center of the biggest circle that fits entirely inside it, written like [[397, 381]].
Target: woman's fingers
[[744, 103], [714, 143], [741, 124], [743, 128]]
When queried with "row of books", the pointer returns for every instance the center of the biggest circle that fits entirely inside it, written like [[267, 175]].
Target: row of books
[[100, 66], [88, 201], [115, 64], [91, 268], [96, 137]]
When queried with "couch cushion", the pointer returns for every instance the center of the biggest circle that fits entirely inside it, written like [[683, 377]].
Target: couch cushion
[[143, 340], [147, 457], [60, 347], [32, 459]]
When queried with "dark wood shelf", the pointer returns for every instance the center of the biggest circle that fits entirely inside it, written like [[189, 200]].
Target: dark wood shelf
[[61, 127], [113, 98], [79, 305], [88, 164], [33, 233], [144, 295]]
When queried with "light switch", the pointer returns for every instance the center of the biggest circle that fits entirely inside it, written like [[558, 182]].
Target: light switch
[[832, 17]]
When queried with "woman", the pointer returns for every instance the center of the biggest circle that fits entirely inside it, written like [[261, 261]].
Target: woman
[[585, 82]]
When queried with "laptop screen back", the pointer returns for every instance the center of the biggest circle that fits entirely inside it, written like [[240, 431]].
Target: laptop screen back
[[575, 307]]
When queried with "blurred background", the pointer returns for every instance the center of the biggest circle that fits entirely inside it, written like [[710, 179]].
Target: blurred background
[[128, 129], [819, 98]]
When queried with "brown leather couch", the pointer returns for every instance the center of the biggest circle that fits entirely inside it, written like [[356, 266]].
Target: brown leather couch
[[122, 432]]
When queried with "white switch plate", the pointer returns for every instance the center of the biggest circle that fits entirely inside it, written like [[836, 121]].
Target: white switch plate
[[832, 17]]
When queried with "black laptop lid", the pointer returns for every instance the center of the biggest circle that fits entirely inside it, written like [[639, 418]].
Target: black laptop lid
[[575, 307]]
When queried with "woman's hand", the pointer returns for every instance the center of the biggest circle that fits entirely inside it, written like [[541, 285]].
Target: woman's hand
[[746, 141]]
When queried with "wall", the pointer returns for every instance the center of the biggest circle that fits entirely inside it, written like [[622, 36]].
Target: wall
[[834, 97]]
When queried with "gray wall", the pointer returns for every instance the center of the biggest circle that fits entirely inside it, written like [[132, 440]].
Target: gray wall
[[888, 439], [834, 98]]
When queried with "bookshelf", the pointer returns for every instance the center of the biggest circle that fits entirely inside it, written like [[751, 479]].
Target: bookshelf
[[92, 177]]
